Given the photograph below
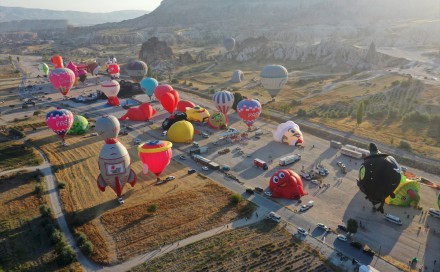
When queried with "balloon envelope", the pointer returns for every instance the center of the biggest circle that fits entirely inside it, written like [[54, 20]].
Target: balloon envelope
[[62, 79], [286, 184], [217, 120], [184, 104], [162, 89], [80, 125], [288, 133], [407, 194], [273, 78], [110, 88], [107, 127], [181, 132], [149, 84], [229, 43], [113, 70], [223, 101], [60, 121], [155, 156], [57, 61], [44, 68], [168, 102], [137, 70], [249, 110]]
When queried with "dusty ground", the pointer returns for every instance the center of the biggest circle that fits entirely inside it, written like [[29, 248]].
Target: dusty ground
[[261, 247]]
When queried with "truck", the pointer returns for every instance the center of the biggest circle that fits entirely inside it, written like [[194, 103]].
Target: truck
[[351, 153], [335, 144], [260, 164], [367, 268], [213, 165], [199, 150], [289, 159]]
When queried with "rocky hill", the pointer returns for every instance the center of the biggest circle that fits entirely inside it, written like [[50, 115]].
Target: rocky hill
[[76, 18]]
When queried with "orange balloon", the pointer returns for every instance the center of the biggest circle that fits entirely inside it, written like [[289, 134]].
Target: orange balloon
[[57, 61]]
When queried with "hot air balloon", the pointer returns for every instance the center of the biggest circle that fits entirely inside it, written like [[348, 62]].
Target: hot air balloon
[[217, 120], [114, 167], [438, 201], [45, 69], [60, 121], [223, 101], [379, 176], [286, 184], [155, 156], [288, 133], [113, 70], [148, 84], [273, 78], [229, 43], [197, 114], [181, 132], [169, 100], [91, 66], [184, 104], [137, 70], [62, 79], [169, 121], [407, 193], [111, 89], [249, 110], [142, 113], [96, 70], [107, 127], [80, 125], [162, 89], [57, 61]]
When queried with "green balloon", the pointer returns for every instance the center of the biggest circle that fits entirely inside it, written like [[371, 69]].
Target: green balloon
[[80, 125], [45, 68], [438, 201]]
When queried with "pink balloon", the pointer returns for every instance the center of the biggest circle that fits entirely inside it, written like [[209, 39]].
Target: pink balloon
[[161, 90]]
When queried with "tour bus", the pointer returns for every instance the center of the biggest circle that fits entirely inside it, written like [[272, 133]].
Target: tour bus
[[435, 213], [394, 219], [351, 153]]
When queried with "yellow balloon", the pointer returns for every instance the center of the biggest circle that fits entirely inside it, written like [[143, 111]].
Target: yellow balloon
[[181, 132]]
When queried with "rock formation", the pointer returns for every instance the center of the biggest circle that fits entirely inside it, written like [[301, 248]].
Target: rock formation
[[154, 50]]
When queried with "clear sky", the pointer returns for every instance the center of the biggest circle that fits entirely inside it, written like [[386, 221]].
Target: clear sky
[[84, 5]]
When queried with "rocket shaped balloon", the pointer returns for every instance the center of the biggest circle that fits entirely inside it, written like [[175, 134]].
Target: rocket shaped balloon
[[114, 165]]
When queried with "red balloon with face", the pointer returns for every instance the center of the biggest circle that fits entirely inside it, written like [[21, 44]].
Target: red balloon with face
[[286, 184]]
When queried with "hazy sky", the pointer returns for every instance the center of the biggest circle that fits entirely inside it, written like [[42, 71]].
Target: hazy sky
[[84, 5]]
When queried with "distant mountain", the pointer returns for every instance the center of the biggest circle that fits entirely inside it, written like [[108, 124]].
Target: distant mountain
[[76, 18]]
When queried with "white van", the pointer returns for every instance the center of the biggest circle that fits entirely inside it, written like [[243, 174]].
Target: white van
[[275, 217], [435, 213], [394, 219]]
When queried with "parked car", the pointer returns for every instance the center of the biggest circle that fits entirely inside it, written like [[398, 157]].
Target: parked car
[[120, 200], [342, 237], [275, 217], [250, 191], [302, 231], [342, 227], [205, 135], [268, 193], [205, 168], [94, 134], [368, 250], [191, 171], [137, 141], [321, 226], [182, 157], [169, 178], [259, 189], [164, 133], [356, 244], [306, 206]]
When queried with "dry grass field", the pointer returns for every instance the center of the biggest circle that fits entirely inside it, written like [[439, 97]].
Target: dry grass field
[[185, 206], [264, 246], [8, 71], [24, 242], [16, 155]]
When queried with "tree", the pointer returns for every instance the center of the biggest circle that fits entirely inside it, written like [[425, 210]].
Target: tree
[[236, 198], [360, 113], [352, 225], [149, 72], [18, 59], [237, 98], [10, 59]]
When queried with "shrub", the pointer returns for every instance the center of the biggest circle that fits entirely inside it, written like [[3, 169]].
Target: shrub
[[405, 145], [236, 198], [67, 256], [87, 248], [57, 237], [36, 113], [175, 81], [81, 238], [61, 185], [45, 211], [152, 208], [352, 225], [39, 190]]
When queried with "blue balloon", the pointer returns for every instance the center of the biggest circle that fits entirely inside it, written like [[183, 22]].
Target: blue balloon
[[149, 84]]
